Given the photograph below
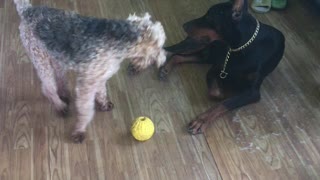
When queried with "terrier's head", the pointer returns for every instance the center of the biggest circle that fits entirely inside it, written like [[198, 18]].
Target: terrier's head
[[149, 47]]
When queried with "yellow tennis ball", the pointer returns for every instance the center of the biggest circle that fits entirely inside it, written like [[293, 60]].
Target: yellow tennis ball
[[142, 128]]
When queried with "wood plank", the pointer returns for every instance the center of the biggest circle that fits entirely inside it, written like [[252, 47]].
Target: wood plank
[[58, 160], [1, 4], [40, 153], [5, 154], [21, 160], [79, 166]]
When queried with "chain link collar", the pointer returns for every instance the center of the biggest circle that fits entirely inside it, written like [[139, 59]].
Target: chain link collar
[[223, 73]]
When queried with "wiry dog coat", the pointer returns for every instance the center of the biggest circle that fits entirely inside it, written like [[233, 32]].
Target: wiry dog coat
[[57, 40]]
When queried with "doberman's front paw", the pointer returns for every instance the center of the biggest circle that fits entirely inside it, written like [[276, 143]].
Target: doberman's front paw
[[78, 137], [197, 126]]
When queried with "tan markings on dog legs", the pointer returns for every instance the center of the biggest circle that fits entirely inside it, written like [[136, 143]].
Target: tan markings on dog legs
[[214, 91]]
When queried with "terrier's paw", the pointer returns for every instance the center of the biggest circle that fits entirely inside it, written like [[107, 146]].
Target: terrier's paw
[[163, 73], [63, 111], [105, 107], [78, 137], [132, 70], [65, 99]]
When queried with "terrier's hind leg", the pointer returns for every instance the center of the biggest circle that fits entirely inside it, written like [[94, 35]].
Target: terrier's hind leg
[[49, 85], [42, 63], [60, 75]]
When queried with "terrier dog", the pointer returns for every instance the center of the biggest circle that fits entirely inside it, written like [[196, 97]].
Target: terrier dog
[[57, 40]]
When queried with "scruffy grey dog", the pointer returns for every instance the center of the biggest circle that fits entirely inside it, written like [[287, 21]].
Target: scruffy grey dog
[[58, 40]]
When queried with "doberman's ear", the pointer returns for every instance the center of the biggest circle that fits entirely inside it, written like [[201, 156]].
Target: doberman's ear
[[238, 8]]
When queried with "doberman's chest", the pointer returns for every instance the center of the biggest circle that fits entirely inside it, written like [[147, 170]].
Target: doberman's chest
[[241, 72]]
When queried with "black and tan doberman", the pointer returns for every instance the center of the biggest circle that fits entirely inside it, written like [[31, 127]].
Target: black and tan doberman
[[241, 50]]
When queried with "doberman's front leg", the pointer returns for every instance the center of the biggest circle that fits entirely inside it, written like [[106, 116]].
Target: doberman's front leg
[[174, 61], [183, 52], [199, 125]]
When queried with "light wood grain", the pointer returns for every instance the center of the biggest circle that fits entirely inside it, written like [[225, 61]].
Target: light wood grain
[[278, 138]]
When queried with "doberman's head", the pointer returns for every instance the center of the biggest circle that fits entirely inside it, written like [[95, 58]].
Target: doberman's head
[[217, 22]]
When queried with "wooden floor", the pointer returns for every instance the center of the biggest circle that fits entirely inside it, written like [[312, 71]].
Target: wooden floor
[[278, 138]]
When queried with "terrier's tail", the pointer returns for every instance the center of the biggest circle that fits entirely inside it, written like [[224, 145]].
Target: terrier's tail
[[22, 5]]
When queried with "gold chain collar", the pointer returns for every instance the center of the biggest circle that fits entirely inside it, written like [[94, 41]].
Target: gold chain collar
[[223, 73]]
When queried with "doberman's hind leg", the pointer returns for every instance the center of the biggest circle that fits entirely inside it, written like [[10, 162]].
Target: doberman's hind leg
[[215, 91]]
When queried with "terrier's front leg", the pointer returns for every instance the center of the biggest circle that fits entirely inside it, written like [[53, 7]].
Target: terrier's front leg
[[85, 94], [102, 101], [135, 65], [132, 69]]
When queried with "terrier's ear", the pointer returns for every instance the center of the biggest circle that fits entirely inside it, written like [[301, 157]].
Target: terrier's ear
[[133, 17], [146, 16], [161, 58], [158, 34]]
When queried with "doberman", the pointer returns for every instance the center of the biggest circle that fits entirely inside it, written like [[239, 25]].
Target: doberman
[[241, 50]]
